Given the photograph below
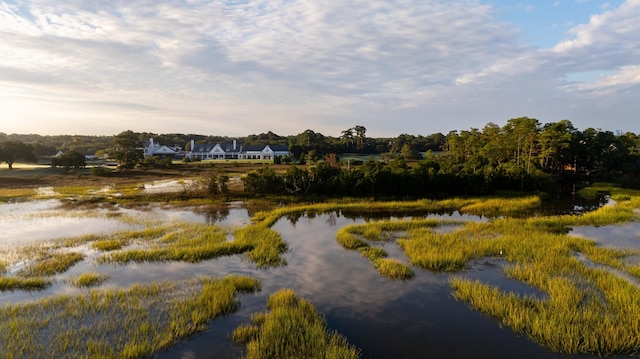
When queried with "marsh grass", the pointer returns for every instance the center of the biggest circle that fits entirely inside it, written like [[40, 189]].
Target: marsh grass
[[616, 192], [189, 242], [51, 264], [8, 194], [88, 280], [292, 328], [106, 245], [586, 309], [392, 268], [21, 283], [355, 237], [502, 206], [118, 323], [265, 245], [194, 242], [490, 206]]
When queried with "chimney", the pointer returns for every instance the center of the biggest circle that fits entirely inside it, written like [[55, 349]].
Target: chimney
[[193, 144], [234, 145]]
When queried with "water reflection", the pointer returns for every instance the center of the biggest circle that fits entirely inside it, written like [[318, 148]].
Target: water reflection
[[386, 319], [625, 235]]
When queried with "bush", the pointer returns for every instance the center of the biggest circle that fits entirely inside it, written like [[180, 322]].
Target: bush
[[100, 171]]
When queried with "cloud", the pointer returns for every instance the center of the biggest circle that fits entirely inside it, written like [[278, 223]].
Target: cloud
[[289, 65]]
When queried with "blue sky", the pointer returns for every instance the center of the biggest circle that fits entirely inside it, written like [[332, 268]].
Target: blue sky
[[249, 66], [545, 23]]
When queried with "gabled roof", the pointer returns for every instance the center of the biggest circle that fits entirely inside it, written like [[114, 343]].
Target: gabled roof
[[208, 147], [254, 148], [228, 147], [261, 148], [202, 147], [279, 148]]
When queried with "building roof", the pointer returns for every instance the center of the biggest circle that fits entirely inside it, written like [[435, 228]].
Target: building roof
[[279, 148]]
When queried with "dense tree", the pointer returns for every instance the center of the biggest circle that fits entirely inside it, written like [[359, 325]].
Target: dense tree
[[11, 151], [127, 151], [556, 141], [68, 160]]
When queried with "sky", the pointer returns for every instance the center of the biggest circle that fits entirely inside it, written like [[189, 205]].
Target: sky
[[240, 67]]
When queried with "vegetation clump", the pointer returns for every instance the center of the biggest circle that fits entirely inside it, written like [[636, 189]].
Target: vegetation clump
[[21, 283], [133, 323], [351, 237], [88, 280], [52, 264], [291, 329], [195, 242], [108, 244]]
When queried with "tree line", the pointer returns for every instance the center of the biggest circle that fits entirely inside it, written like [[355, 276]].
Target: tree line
[[523, 154]]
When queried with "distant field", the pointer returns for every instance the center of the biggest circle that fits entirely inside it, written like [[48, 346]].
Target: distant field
[[344, 157]]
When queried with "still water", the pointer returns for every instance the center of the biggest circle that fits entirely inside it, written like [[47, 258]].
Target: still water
[[417, 318]]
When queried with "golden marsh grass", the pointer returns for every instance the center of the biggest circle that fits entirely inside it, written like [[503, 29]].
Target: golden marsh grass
[[88, 280], [292, 328], [51, 264], [133, 323]]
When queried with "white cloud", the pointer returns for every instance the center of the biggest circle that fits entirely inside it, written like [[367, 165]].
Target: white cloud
[[289, 65]]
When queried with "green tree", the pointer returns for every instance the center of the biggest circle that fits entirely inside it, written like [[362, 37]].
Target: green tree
[[555, 145], [11, 151], [263, 181], [127, 150], [360, 136], [69, 159], [408, 153], [521, 135], [297, 181]]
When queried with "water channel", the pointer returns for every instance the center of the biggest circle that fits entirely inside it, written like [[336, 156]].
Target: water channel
[[417, 318]]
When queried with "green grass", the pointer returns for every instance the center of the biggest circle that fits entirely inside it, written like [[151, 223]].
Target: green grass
[[51, 264], [118, 323], [88, 280], [487, 205], [393, 269], [7, 194], [355, 237], [109, 244], [21, 283], [587, 309], [266, 245], [195, 242], [291, 329]]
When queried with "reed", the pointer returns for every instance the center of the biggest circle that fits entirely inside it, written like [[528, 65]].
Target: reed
[[195, 242], [51, 264], [502, 206], [265, 246], [88, 280], [586, 308], [351, 237], [493, 206], [106, 245], [292, 329], [21, 283], [571, 321], [132, 323], [8, 194], [392, 268]]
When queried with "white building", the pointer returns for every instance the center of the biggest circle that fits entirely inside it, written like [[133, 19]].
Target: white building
[[151, 149], [264, 152]]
